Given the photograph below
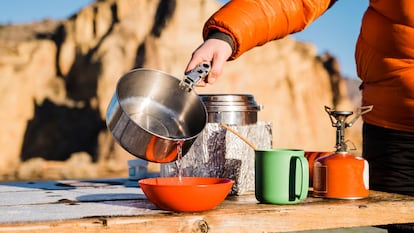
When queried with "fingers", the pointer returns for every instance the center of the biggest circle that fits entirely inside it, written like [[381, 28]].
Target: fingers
[[215, 51], [196, 59], [217, 67]]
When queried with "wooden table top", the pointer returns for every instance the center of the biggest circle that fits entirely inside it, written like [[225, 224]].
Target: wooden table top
[[119, 205]]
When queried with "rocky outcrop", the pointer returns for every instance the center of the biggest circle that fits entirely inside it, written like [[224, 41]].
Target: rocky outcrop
[[58, 78]]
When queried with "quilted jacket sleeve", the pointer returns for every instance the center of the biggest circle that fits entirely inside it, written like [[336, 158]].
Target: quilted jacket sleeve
[[251, 23]]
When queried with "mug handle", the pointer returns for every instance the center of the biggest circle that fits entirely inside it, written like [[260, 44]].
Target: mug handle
[[304, 178]]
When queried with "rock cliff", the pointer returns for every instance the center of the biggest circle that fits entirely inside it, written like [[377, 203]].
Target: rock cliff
[[57, 79]]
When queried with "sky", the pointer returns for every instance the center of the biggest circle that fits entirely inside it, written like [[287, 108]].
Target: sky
[[336, 31]]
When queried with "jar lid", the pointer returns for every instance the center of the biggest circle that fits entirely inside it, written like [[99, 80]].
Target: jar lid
[[229, 102]]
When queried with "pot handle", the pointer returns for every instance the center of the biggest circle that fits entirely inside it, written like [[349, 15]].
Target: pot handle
[[195, 76]]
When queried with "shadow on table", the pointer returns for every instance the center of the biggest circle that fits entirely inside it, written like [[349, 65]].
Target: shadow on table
[[70, 184], [117, 191], [119, 199]]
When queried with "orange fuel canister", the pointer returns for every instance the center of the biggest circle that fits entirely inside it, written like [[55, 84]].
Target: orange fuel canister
[[341, 175]]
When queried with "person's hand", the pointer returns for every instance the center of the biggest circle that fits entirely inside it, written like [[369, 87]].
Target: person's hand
[[215, 51]]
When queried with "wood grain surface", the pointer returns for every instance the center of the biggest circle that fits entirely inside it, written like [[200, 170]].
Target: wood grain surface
[[119, 205]]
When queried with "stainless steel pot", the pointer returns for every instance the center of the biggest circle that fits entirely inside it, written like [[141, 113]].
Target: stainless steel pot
[[233, 109], [152, 112]]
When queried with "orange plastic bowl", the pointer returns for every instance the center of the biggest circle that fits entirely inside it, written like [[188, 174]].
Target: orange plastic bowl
[[191, 194]]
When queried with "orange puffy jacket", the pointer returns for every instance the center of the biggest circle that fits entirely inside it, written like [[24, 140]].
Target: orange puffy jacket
[[384, 52]]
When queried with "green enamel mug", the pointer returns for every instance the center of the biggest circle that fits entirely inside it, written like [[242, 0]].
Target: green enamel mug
[[281, 176]]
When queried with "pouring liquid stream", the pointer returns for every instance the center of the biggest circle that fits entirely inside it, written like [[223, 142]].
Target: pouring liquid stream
[[178, 162]]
